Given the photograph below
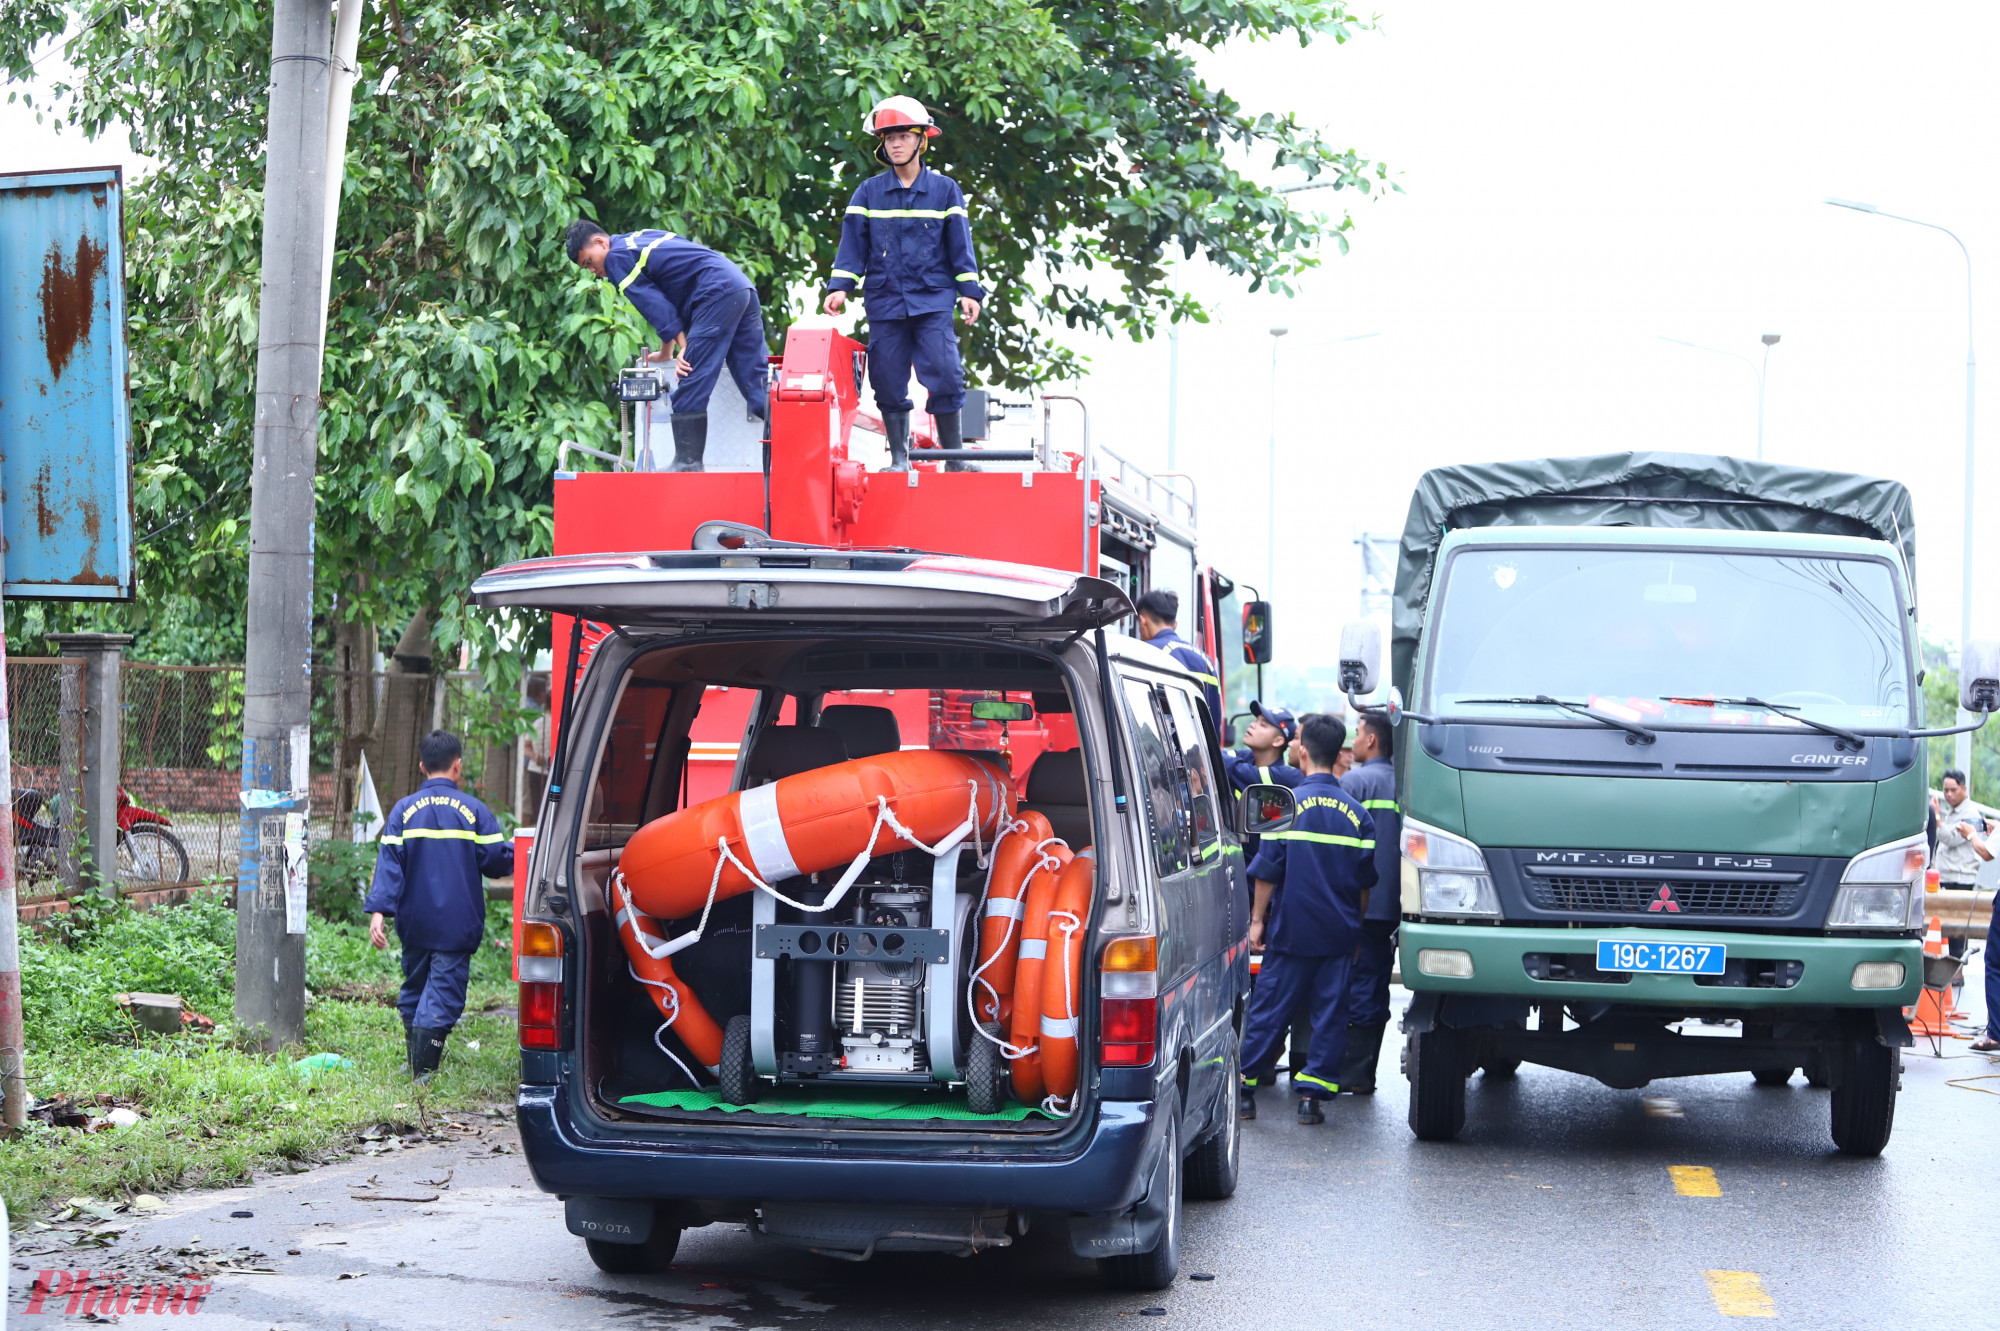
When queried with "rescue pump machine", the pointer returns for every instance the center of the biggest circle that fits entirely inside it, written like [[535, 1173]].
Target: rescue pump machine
[[908, 819]]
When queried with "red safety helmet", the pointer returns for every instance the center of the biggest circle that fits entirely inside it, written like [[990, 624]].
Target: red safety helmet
[[900, 112]]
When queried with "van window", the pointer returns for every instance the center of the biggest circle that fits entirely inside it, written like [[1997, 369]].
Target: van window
[[1159, 761], [625, 768], [1199, 772]]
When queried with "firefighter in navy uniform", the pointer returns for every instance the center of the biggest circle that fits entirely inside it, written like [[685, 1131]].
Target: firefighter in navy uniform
[[1312, 887], [906, 245], [1261, 760], [1159, 610], [1372, 784], [436, 846], [694, 298]]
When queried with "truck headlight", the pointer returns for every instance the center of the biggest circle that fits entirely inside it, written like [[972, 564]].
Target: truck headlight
[[1881, 888], [1450, 872]]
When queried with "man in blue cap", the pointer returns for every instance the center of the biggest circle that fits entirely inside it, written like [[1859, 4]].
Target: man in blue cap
[[1159, 610], [1372, 783], [1311, 887], [692, 297], [1261, 760]]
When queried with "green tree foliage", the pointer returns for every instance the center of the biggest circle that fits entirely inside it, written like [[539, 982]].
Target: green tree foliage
[[462, 347], [1941, 709]]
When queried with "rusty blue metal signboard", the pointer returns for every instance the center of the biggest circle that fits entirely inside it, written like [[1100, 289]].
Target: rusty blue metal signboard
[[65, 429]]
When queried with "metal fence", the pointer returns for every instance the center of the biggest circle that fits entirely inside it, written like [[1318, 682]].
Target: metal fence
[[45, 706]]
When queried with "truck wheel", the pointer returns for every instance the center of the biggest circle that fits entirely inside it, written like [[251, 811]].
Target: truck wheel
[[1156, 1269], [739, 1080], [1436, 1065], [1773, 1076], [986, 1077], [653, 1256], [1864, 1103], [1212, 1169]]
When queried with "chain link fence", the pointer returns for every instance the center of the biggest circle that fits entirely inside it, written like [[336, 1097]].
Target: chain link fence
[[45, 710]]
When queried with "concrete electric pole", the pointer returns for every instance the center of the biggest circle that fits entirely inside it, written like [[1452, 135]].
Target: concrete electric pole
[[277, 673]]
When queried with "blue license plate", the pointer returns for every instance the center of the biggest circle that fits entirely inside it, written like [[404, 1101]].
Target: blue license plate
[[1665, 958]]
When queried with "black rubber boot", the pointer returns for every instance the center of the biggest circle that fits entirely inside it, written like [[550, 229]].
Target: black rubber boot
[[1246, 1103], [1357, 1065], [409, 1045], [1309, 1110], [897, 423], [690, 439], [950, 434], [426, 1052]]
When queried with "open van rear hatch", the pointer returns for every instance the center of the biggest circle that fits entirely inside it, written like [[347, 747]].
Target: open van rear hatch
[[772, 588]]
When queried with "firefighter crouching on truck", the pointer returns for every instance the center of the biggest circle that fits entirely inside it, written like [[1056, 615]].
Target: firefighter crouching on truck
[[695, 299], [906, 244], [436, 846], [1310, 887], [1372, 784], [1159, 609]]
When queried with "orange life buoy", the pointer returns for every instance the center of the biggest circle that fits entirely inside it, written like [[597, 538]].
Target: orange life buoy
[[1000, 929], [670, 994], [1062, 974], [812, 821], [1024, 1024]]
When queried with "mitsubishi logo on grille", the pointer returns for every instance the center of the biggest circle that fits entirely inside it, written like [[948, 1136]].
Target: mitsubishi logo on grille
[[1665, 902]]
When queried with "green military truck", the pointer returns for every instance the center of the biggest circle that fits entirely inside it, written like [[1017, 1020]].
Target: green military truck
[[1663, 790]]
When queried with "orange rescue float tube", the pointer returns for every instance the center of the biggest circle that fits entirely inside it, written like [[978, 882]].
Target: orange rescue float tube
[[1025, 1023], [670, 994], [1062, 975], [813, 821], [1000, 929]]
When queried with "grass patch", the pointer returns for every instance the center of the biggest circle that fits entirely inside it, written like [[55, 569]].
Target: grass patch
[[212, 1114]]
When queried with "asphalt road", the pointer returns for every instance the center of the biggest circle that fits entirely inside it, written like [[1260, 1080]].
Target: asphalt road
[[1560, 1206]]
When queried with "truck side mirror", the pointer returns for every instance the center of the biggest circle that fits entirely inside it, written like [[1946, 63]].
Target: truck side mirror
[[1360, 655], [1979, 676], [1262, 810], [1257, 633]]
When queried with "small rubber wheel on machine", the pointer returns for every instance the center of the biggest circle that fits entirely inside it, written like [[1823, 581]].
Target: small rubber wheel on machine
[[1773, 1076], [1500, 1069], [986, 1078], [1212, 1167], [653, 1256], [1435, 1061], [1156, 1269], [738, 1078], [1864, 1104]]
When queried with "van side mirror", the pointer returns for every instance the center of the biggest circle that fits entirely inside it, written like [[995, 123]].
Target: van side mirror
[[1257, 633], [1979, 676], [1262, 810], [1360, 655]]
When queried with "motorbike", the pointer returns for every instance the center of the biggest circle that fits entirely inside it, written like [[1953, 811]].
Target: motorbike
[[147, 852]]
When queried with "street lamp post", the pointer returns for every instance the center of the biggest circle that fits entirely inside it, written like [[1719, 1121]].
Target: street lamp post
[[1963, 751], [1761, 371], [1271, 479]]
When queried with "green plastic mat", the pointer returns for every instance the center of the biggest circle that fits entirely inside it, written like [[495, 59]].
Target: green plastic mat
[[822, 1105]]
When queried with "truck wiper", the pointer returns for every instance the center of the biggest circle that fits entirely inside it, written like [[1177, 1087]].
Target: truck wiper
[[1633, 728], [1780, 709]]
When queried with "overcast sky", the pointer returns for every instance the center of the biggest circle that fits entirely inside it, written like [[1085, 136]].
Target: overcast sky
[[1582, 179]]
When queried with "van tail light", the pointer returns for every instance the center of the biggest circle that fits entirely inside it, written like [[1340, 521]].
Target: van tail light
[[1129, 1001], [541, 969]]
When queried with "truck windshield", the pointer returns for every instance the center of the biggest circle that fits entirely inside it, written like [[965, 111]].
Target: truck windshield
[[1687, 637]]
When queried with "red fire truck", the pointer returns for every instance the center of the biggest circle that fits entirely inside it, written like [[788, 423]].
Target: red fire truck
[[1093, 511]]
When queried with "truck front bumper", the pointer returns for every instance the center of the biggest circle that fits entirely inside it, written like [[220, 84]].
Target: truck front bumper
[[1500, 956]]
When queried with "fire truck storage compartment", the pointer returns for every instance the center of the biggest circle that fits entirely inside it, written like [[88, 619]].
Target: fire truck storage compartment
[[853, 1033]]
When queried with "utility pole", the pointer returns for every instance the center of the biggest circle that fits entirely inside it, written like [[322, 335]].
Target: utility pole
[[277, 657]]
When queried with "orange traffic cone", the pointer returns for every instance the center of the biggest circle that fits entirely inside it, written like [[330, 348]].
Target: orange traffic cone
[[1934, 1009]]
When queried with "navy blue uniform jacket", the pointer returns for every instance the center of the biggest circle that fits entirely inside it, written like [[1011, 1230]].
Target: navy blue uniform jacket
[[908, 250], [1373, 785], [1243, 772], [1203, 669], [435, 848], [665, 277], [1319, 870]]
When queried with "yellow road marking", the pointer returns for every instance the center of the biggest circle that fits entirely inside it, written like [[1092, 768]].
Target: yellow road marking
[[1694, 1181], [1739, 1294]]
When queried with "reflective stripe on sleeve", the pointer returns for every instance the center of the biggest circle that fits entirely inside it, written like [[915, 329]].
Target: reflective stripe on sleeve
[[966, 277], [386, 840], [842, 272], [1378, 804], [1034, 947], [764, 834]]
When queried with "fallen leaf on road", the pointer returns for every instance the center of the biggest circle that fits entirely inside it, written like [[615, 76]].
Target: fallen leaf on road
[[352, 1275], [395, 1197]]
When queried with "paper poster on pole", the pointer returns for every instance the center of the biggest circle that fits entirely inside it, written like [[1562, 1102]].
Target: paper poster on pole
[[368, 815]]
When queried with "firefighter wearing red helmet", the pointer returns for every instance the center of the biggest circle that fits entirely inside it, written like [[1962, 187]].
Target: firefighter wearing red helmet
[[906, 245]]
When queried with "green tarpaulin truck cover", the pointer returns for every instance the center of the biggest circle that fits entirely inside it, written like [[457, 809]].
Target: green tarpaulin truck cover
[[1633, 490]]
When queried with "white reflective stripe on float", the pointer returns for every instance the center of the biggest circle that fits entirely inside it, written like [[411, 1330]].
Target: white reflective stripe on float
[[1058, 1028], [1005, 908], [1034, 947], [764, 834]]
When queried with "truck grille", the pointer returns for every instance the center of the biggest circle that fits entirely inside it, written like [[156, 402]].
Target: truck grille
[[1641, 896]]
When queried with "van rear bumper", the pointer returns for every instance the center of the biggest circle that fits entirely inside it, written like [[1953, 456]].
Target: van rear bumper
[[1500, 954], [1108, 1174]]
